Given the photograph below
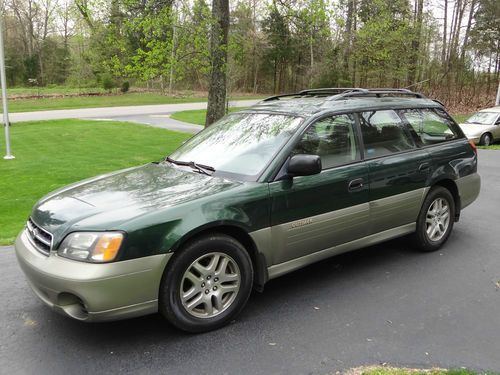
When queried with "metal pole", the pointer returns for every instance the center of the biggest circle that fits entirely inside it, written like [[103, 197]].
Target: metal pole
[[6, 123]]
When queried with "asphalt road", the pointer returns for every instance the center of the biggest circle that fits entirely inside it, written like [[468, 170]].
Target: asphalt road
[[383, 304]]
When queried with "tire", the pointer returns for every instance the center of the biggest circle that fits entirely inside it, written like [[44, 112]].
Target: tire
[[426, 238], [486, 139], [192, 297]]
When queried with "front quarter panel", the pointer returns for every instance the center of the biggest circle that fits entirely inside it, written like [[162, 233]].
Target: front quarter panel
[[245, 207]]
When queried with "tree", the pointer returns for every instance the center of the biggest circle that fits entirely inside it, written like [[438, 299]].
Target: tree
[[218, 56]]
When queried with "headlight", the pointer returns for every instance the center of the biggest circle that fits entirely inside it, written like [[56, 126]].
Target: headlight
[[95, 247]]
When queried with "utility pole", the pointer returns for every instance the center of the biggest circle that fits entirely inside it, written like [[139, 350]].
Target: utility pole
[[6, 123]]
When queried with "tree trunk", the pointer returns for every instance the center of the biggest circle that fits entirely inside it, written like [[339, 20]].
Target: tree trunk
[[445, 31], [467, 31], [218, 57], [415, 44], [348, 36]]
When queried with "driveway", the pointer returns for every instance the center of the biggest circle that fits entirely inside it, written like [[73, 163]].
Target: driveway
[[156, 109], [382, 304]]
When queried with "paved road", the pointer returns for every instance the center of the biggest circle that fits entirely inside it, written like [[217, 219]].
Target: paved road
[[383, 304], [110, 112]]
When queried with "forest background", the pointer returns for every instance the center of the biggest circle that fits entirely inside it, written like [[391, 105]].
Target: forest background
[[449, 50]]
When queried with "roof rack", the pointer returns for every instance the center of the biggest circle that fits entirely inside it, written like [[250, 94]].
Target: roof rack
[[382, 92], [338, 93]]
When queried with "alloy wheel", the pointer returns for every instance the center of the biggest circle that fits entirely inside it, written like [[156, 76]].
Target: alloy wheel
[[210, 285], [438, 219]]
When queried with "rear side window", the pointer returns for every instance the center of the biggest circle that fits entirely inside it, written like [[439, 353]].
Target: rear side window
[[384, 133], [430, 125]]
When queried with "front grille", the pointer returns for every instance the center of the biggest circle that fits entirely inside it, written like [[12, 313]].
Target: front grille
[[39, 237]]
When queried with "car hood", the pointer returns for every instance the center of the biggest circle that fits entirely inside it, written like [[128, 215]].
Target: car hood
[[473, 129], [104, 202]]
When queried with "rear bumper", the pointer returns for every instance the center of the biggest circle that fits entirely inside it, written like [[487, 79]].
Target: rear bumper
[[468, 189], [93, 292]]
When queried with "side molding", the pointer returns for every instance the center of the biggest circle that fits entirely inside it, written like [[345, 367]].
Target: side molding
[[286, 267]]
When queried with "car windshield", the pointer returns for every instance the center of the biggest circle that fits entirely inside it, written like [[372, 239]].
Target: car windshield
[[239, 145], [482, 118]]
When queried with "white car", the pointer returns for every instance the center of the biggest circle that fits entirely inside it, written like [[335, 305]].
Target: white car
[[483, 127]]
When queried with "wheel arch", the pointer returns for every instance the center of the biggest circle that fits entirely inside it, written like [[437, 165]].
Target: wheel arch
[[451, 186], [241, 235]]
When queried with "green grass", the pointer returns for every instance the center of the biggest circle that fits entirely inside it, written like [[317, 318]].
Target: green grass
[[197, 116], [51, 154], [51, 90], [461, 117], [130, 99]]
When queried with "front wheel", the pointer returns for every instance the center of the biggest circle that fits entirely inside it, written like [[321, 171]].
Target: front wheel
[[435, 221], [206, 284]]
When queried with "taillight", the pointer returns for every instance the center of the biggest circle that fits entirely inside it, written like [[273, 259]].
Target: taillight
[[473, 146]]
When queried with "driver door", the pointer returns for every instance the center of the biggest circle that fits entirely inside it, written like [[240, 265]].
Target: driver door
[[314, 213]]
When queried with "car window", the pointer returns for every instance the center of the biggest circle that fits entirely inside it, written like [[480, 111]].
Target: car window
[[430, 125], [384, 133], [239, 145], [333, 139]]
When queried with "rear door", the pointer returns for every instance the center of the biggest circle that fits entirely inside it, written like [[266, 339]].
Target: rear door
[[313, 213], [398, 169]]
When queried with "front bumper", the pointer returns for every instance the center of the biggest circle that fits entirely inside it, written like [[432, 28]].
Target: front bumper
[[93, 292]]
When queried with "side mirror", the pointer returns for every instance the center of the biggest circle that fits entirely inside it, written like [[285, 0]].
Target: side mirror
[[304, 165]]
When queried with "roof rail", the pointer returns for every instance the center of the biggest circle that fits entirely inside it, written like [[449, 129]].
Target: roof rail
[[338, 93], [316, 92], [276, 97], [378, 93], [332, 91]]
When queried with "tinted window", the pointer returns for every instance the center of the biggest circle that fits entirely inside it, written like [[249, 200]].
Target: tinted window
[[333, 139], [430, 125], [384, 133]]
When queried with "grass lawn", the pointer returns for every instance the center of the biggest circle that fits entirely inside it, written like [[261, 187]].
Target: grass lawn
[[72, 102], [197, 116], [405, 371], [461, 117], [50, 154]]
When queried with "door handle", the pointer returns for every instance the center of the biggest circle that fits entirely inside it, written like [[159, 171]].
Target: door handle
[[355, 184], [424, 167]]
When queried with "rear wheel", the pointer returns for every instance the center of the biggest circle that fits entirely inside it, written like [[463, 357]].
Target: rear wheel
[[486, 139], [206, 284], [435, 221]]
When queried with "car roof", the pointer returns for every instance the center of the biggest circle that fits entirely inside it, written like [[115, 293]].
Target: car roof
[[310, 102], [492, 109], [311, 106]]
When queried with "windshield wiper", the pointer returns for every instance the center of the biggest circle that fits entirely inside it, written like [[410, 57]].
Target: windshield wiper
[[198, 167]]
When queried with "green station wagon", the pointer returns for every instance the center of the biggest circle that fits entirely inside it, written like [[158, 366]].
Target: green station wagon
[[291, 181]]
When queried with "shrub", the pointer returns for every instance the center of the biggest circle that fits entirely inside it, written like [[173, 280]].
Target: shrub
[[107, 82], [125, 86]]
